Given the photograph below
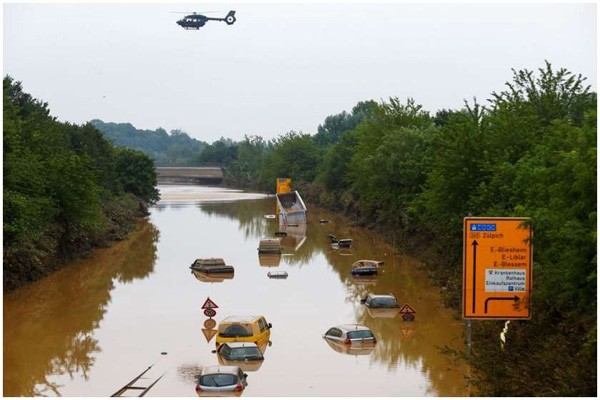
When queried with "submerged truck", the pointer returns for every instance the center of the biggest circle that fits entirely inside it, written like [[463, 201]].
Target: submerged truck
[[291, 208]]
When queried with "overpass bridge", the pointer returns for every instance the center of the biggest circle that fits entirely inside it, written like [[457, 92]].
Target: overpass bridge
[[189, 175]]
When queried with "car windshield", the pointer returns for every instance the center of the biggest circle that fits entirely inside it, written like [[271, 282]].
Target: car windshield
[[236, 330], [383, 302], [366, 264], [245, 353], [218, 380], [360, 334]]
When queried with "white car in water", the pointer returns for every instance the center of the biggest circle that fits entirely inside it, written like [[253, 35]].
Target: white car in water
[[350, 334]]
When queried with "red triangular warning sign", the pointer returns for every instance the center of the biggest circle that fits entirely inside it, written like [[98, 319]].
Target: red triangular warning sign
[[209, 334], [406, 309], [209, 304]]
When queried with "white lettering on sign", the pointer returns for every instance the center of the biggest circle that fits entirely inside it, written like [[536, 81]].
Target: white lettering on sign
[[505, 280]]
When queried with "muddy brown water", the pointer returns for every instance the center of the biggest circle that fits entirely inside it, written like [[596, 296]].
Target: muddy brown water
[[90, 328]]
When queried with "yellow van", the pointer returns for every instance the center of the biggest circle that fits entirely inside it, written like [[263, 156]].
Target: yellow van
[[244, 329]]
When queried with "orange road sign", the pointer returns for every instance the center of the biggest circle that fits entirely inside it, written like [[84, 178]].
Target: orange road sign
[[209, 304], [209, 334], [497, 268], [210, 323]]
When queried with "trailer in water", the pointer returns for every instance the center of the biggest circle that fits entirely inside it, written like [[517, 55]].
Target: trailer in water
[[291, 208]]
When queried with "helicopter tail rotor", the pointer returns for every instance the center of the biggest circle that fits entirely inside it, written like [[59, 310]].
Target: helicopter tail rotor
[[230, 18]]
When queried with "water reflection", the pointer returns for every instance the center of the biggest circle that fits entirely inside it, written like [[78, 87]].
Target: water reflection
[[383, 312], [253, 224], [212, 277], [248, 214], [57, 330], [416, 344], [269, 259], [361, 349], [49, 325], [400, 278], [295, 238]]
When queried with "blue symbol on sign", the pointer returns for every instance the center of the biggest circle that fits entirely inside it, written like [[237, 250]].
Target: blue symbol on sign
[[483, 227], [511, 288]]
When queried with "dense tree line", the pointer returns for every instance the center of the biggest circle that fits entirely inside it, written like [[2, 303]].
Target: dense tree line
[[66, 188], [174, 149], [531, 151]]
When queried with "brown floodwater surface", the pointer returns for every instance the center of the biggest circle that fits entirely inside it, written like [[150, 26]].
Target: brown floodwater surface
[[90, 328]]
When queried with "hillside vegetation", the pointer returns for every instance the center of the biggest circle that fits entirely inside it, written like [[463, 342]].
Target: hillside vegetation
[[529, 152], [66, 189], [174, 149]]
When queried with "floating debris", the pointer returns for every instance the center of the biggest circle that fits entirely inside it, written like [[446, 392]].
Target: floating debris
[[212, 277]]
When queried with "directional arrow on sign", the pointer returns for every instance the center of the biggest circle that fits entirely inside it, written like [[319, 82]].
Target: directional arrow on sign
[[515, 299], [474, 244]]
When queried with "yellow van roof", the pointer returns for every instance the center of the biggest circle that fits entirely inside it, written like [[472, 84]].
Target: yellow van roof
[[241, 319]]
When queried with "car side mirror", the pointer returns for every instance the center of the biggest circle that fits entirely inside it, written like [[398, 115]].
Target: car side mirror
[[269, 325], [245, 375]]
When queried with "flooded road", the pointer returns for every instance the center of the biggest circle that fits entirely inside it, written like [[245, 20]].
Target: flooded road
[[92, 327]]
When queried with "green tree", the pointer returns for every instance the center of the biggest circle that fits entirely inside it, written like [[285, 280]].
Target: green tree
[[138, 175], [244, 170], [295, 155]]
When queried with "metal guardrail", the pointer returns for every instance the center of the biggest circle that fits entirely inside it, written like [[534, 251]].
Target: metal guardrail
[[134, 386]]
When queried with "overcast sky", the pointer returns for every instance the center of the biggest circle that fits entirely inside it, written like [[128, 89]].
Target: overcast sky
[[280, 67]]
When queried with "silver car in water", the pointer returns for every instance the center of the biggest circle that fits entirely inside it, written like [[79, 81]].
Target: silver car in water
[[350, 334], [217, 379]]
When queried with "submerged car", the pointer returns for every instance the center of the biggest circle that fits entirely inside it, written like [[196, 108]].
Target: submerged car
[[380, 301], [216, 380], [244, 329], [211, 266], [338, 243], [350, 334], [277, 275], [366, 267], [247, 356]]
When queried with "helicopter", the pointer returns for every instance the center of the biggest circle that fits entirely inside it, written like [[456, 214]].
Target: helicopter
[[196, 21]]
